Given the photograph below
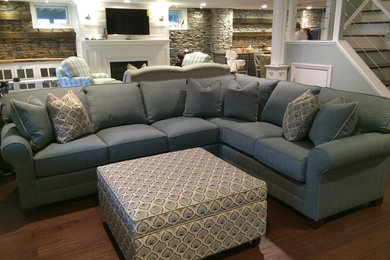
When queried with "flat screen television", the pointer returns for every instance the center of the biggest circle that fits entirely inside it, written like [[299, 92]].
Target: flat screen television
[[127, 21]]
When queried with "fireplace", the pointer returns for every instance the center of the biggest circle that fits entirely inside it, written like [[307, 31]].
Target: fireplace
[[101, 54], [118, 68]]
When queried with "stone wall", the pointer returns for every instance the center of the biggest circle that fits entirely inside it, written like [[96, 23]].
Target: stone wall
[[221, 29], [310, 18], [260, 27], [26, 47], [196, 38]]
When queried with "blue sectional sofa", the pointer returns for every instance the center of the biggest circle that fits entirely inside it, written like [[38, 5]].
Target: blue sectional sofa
[[139, 119]]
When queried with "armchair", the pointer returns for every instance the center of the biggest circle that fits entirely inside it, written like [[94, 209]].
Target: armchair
[[196, 57], [74, 71]]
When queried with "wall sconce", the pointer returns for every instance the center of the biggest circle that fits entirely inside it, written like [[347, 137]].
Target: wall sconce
[[88, 17], [161, 18]]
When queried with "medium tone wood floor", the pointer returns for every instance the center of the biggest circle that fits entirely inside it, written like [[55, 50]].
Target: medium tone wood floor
[[74, 230]]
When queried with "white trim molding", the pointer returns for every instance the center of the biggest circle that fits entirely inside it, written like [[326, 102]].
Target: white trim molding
[[314, 74]]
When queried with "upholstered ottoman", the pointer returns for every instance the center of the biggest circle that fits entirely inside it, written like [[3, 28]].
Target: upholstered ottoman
[[180, 205]]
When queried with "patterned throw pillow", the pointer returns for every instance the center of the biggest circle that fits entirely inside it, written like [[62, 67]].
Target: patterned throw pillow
[[69, 116], [299, 116]]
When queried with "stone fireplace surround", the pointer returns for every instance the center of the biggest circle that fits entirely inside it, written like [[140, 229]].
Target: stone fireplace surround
[[100, 53]]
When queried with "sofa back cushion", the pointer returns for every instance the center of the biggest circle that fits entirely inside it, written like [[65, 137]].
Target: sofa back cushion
[[40, 94], [266, 87], [116, 104], [284, 93], [203, 100], [241, 101], [33, 122], [373, 111], [164, 99]]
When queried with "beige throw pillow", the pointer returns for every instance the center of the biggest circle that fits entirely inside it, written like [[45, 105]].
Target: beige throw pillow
[[69, 117], [299, 116]]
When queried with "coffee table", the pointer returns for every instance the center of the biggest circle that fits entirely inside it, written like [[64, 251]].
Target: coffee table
[[187, 204]]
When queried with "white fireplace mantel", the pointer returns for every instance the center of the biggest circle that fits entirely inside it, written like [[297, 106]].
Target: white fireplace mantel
[[99, 53]]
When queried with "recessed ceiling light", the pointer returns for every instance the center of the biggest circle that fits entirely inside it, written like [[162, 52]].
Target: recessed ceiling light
[[264, 6], [126, 1], [203, 4], [309, 7], [5, 0]]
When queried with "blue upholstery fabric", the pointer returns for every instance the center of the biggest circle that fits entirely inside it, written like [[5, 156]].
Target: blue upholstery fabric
[[78, 154], [224, 121], [32, 121], [132, 141], [187, 132], [333, 121], [170, 104], [115, 105], [373, 111], [203, 100], [41, 95], [284, 93], [290, 158], [266, 88], [241, 101], [243, 136]]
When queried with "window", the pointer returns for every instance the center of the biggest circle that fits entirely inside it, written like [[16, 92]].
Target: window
[[50, 16], [177, 19]]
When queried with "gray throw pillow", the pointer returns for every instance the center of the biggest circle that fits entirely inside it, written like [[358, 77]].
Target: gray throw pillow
[[203, 101], [33, 122], [334, 120], [69, 116], [170, 104], [242, 102], [299, 116], [114, 105], [284, 93]]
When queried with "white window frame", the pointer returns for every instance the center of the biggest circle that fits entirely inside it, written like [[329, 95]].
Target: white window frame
[[33, 9], [182, 19]]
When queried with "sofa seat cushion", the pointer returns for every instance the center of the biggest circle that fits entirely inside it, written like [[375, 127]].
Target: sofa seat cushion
[[289, 158], [243, 136], [224, 121], [186, 132], [82, 153], [132, 141]]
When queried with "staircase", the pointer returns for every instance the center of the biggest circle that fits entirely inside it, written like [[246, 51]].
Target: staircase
[[367, 30]]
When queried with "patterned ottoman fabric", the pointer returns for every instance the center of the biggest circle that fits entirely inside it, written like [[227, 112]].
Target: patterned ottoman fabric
[[181, 205]]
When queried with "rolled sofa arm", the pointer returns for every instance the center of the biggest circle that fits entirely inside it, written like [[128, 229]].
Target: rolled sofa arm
[[349, 150], [16, 151]]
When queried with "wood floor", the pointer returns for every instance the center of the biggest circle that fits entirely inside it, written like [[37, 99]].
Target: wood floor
[[74, 230]]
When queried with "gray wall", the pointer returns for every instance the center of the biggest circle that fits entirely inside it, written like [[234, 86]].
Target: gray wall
[[344, 75]]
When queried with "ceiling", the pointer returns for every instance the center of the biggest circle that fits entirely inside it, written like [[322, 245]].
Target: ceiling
[[236, 4]]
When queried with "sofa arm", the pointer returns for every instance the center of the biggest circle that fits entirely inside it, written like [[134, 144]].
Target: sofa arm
[[99, 75], [16, 151], [75, 81], [349, 150]]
